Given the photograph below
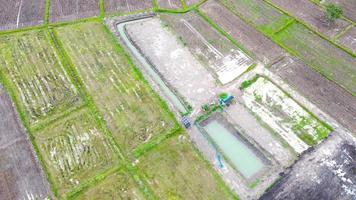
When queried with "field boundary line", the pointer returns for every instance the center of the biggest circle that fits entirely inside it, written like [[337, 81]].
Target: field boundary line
[[63, 115], [224, 33], [98, 178], [78, 21], [144, 148], [102, 8], [343, 31], [289, 23], [312, 29], [184, 5], [14, 31], [47, 12]]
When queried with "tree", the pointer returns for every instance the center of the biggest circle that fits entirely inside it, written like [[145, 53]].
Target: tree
[[332, 13]]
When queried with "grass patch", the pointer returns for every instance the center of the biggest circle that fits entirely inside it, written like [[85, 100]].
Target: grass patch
[[175, 171]]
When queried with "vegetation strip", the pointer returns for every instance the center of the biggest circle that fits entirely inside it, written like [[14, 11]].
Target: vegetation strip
[[313, 29]]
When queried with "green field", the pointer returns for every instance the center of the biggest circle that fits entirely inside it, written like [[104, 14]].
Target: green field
[[31, 67], [266, 18], [175, 170], [133, 112], [319, 54], [118, 185], [74, 149]]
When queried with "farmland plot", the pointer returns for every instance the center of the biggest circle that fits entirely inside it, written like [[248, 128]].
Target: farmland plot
[[207, 45], [348, 7], [191, 2], [264, 49], [319, 54], [348, 39], [21, 13], [134, 113], [174, 170], [328, 96], [312, 15], [66, 10], [20, 174], [284, 115], [126, 6], [118, 185], [32, 65], [170, 4], [262, 15], [75, 149]]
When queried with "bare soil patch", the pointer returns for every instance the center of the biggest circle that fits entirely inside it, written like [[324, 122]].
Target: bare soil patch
[[170, 4], [264, 49], [329, 97], [348, 6], [125, 6], [216, 52], [21, 13], [191, 2], [348, 39], [311, 14], [66, 10], [20, 174], [325, 173], [173, 61]]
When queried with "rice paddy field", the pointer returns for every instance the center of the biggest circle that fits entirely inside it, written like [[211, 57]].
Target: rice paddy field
[[33, 69], [312, 14], [117, 185], [175, 170], [263, 16], [126, 6], [133, 112], [66, 10], [19, 14], [75, 149], [89, 126], [169, 4], [284, 115], [320, 54], [243, 33]]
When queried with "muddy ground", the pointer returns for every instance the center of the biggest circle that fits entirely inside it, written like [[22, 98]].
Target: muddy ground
[[249, 38], [191, 2], [348, 7], [21, 13], [170, 4], [125, 6], [173, 61], [312, 15], [348, 39], [214, 51], [328, 173], [21, 176], [66, 10], [329, 97]]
